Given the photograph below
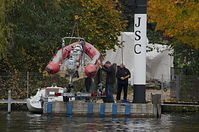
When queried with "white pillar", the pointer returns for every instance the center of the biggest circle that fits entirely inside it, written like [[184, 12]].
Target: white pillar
[[139, 51]]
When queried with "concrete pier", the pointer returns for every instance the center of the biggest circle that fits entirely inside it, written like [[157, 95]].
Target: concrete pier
[[76, 108]]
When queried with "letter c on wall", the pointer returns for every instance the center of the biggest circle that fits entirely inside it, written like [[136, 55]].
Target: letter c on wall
[[135, 48]]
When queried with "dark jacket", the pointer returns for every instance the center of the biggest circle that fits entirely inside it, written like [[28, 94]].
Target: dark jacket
[[123, 72], [110, 74]]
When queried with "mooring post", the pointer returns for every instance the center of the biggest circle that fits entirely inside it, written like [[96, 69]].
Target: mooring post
[[156, 101], [9, 101], [27, 84]]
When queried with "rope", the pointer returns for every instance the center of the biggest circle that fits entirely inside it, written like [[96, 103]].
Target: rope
[[75, 28], [72, 32]]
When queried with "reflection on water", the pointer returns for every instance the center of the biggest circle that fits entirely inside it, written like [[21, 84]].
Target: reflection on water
[[25, 121]]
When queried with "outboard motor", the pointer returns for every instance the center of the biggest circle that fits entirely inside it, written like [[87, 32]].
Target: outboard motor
[[71, 66], [73, 61], [76, 52]]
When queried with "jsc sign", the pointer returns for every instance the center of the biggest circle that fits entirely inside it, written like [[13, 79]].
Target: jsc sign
[[140, 31]]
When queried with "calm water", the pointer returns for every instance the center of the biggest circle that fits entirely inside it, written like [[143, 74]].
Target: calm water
[[25, 121]]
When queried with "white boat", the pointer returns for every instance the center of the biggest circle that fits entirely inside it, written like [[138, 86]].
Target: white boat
[[35, 103]]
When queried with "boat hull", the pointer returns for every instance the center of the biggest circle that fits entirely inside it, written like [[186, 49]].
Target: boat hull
[[34, 106]]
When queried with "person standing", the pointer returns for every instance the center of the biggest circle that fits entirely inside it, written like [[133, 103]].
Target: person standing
[[122, 81], [110, 80]]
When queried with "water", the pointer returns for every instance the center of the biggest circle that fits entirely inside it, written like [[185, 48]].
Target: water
[[27, 122]]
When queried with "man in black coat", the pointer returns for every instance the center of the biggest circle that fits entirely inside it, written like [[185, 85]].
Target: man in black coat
[[110, 80], [122, 81]]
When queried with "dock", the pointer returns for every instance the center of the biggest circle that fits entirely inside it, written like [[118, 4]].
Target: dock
[[180, 104], [81, 108], [151, 109], [102, 109], [179, 107]]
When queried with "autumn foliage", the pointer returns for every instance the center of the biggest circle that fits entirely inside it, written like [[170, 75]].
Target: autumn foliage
[[178, 19], [31, 32], [101, 23], [38, 26]]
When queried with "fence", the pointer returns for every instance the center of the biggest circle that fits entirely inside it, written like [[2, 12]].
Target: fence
[[25, 84], [184, 87]]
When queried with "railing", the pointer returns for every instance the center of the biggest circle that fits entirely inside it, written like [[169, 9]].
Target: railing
[[10, 101]]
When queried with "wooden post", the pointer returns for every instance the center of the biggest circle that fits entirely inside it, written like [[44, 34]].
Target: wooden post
[[9, 101], [27, 84], [156, 101]]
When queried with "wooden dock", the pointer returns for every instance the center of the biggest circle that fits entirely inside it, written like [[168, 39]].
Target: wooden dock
[[180, 104], [179, 107]]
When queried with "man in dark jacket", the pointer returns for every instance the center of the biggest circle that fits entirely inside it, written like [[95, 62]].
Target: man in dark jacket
[[122, 81], [110, 80]]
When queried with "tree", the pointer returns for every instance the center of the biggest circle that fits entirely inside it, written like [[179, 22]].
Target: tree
[[177, 22], [3, 29], [177, 19], [38, 27], [128, 9], [35, 30], [101, 23], [186, 58]]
